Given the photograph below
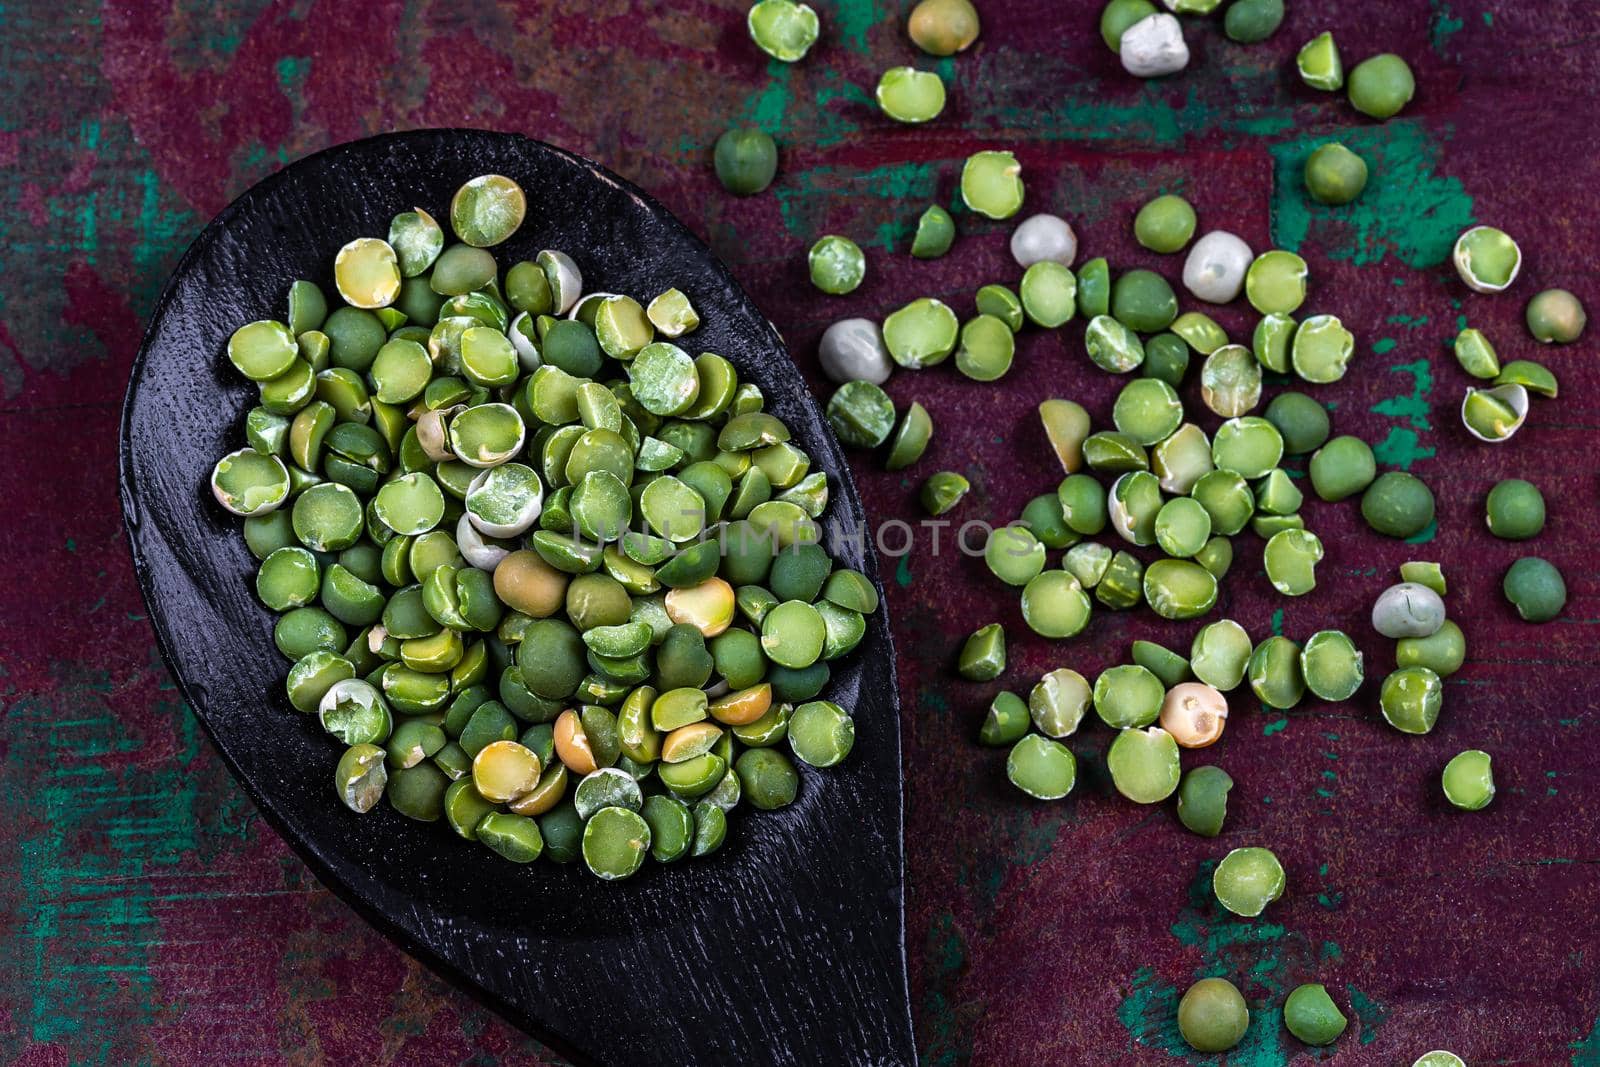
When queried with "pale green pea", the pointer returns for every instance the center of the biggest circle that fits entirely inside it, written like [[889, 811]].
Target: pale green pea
[[1179, 589], [1495, 414], [910, 438], [907, 94], [783, 29], [936, 231], [1555, 316], [1332, 665], [1200, 331], [1275, 674], [1249, 446], [1212, 1015], [615, 842], [1162, 662], [861, 414], [1276, 282], [1381, 86], [1094, 288], [248, 483], [1532, 376], [1183, 527], [1276, 494], [1216, 556], [1165, 224], [921, 334], [1468, 780], [367, 273], [1291, 557], [1220, 654], [987, 347], [1144, 764], [1112, 346], [1132, 505], [1271, 341], [672, 314], [1342, 468], [261, 351], [1087, 562], [1311, 1015], [999, 301], [1114, 453], [1042, 768], [1247, 880], [943, 491], [1054, 605], [1227, 499], [1335, 175], [1014, 555], [1230, 381], [1322, 349], [837, 265], [487, 210], [1005, 722], [1049, 293], [1128, 696], [991, 184], [1058, 703], [1182, 459], [1487, 259], [664, 379], [821, 734], [983, 655], [1410, 699], [1203, 800], [1320, 64], [1443, 652], [1148, 410], [1066, 426]]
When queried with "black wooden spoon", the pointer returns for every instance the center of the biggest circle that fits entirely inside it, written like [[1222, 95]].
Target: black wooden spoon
[[788, 945]]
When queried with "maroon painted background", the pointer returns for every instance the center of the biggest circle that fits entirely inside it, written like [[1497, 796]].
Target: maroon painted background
[[148, 916]]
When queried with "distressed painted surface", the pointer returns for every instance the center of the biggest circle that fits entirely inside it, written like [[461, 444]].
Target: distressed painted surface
[[148, 916]]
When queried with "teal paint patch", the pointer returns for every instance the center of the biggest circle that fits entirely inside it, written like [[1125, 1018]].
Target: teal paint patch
[[855, 20], [806, 200], [1403, 447], [1149, 1012], [292, 71], [1586, 1051], [1370, 1014], [1445, 25], [1409, 211], [765, 110], [945, 1041], [1384, 345], [1277, 622], [1276, 727], [106, 818], [902, 573]]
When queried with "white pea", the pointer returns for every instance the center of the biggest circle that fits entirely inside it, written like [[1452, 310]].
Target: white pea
[[1408, 610], [1044, 237], [1216, 267], [1154, 47], [853, 350], [475, 549]]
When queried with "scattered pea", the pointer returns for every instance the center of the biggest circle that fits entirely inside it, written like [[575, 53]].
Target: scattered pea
[[943, 491], [983, 655], [1310, 1014], [991, 184], [1320, 63], [1144, 764], [1515, 510], [1468, 780], [837, 265], [943, 27], [1212, 1015], [1380, 87], [1555, 316], [746, 160], [1165, 224], [1252, 21], [1487, 259], [1203, 800], [907, 94], [1335, 175], [1247, 880], [1410, 699], [1398, 504], [936, 231], [1216, 267], [1153, 47], [783, 29], [1042, 768], [1535, 588], [853, 350], [1041, 238]]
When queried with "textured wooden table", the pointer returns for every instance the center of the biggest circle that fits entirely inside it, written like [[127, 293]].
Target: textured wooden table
[[149, 917]]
